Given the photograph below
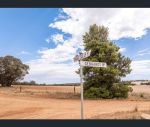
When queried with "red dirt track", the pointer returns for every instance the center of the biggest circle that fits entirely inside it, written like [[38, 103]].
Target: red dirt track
[[14, 107]]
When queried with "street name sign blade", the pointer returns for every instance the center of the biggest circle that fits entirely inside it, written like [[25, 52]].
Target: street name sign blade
[[76, 58], [82, 56], [93, 64], [85, 54]]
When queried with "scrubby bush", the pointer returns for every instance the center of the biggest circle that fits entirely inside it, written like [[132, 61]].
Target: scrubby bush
[[133, 84], [126, 83], [97, 93], [142, 95], [120, 90]]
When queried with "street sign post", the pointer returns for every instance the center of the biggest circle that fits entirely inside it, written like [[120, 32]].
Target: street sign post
[[79, 57], [89, 64]]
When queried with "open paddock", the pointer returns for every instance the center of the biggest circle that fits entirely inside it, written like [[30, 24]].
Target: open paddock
[[35, 102]]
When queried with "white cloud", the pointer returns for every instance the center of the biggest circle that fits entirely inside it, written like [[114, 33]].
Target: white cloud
[[122, 23], [141, 51], [47, 40], [56, 38], [144, 52], [141, 66], [140, 70], [44, 71], [25, 53], [61, 17], [59, 54], [122, 49]]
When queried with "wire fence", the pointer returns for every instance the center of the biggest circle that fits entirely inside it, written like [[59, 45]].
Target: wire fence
[[46, 89]]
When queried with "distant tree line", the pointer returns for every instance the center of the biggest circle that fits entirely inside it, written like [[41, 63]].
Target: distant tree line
[[44, 84], [145, 83], [28, 83], [139, 80], [67, 84]]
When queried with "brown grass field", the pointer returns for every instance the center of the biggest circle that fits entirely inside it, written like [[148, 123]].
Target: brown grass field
[[61, 102]]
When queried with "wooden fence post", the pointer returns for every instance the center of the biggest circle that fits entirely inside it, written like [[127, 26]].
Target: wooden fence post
[[74, 89], [20, 89]]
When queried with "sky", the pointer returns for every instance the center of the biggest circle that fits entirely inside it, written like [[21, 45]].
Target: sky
[[47, 39]]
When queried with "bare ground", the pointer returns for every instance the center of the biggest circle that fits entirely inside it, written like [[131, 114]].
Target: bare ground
[[122, 115], [15, 105]]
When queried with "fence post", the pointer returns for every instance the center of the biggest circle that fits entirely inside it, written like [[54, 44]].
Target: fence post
[[74, 89], [20, 89]]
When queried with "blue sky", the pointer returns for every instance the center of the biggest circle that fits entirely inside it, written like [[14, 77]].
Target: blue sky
[[25, 30], [47, 38], [134, 46]]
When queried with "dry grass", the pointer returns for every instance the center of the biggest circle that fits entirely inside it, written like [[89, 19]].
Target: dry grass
[[57, 92], [122, 115], [140, 92]]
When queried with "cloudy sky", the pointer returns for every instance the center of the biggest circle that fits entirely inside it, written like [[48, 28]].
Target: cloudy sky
[[48, 38]]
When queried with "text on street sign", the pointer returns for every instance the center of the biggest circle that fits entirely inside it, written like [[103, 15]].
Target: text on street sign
[[82, 56], [93, 64]]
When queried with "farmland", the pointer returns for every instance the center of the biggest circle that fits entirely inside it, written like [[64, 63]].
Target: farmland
[[63, 102]]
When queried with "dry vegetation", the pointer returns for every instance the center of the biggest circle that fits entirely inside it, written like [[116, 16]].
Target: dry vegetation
[[62, 102], [140, 92], [57, 92], [122, 115]]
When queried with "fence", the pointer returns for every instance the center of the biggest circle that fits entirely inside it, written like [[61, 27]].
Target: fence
[[47, 89]]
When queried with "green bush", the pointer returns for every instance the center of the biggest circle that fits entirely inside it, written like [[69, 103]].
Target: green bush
[[120, 90], [133, 84], [117, 90], [97, 93]]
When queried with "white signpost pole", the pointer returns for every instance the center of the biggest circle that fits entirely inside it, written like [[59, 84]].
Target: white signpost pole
[[82, 110], [79, 58]]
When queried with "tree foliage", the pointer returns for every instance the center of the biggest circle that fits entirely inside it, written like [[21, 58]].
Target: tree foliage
[[25, 83], [99, 82], [11, 70]]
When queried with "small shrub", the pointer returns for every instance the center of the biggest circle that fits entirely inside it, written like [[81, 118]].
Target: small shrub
[[136, 109], [126, 82], [97, 93], [133, 84], [142, 95], [120, 90]]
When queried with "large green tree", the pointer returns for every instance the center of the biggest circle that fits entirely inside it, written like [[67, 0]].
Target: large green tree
[[100, 82], [11, 70]]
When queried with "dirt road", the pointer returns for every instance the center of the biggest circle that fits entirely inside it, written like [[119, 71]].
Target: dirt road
[[25, 107]]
